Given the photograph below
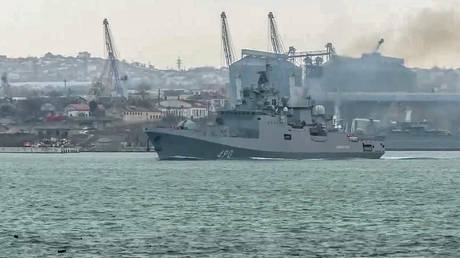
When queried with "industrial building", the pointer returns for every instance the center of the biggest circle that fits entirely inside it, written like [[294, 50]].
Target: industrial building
[[281, 74]]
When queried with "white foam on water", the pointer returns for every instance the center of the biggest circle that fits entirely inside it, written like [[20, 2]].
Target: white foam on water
[[262, 158]]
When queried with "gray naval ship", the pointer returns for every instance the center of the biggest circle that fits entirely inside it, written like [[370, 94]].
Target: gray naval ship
[[263, 125], [408, 135]]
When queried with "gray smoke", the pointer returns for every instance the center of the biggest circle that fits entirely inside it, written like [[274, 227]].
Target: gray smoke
[[429, 38]]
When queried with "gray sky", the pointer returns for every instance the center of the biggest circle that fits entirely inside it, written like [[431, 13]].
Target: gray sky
[[158, 31]]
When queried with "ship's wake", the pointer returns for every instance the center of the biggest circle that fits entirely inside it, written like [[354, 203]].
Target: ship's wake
[[415, 158], [274, 159]]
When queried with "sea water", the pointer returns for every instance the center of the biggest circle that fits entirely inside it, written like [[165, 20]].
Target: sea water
[[132, 205]]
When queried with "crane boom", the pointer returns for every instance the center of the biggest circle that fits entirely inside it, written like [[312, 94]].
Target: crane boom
[[275, 39], [113, 77], [379, 44], [6, 86], [226, 41]]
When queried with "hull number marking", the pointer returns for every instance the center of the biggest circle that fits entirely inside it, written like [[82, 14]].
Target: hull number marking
[[225, 154]]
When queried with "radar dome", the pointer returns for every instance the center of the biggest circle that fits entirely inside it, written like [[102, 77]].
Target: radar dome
[[319, 110]]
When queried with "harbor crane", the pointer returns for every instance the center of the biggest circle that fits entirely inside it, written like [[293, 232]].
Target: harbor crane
[[275, 39], [6, 86], [292, 53], [110, 75], [379, 44], [179, 64], [313, 57], [227, 41]]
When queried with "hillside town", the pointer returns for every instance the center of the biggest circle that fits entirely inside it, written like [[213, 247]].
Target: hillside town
[[104, 104], [50, 98]]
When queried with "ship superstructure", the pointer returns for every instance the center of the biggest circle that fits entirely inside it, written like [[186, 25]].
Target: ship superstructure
[[264, 124]]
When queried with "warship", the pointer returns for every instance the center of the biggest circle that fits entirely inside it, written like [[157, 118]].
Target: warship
[[420, 136], [263, 125], [408, 135]]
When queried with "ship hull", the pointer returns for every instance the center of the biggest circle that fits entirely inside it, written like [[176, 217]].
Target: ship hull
[[179, 147], [422, 143]]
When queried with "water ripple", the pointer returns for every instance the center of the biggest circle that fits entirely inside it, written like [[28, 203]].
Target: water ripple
[[131, 205]]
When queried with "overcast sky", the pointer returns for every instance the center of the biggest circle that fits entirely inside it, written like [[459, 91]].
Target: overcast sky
[[158, 31]]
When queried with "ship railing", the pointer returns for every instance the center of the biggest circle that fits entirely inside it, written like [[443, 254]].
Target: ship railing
[[372, 138]]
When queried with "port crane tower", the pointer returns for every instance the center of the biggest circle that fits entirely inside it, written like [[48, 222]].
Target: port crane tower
[[277, 43], [317, 56], [379, 44], [6, 86], [309, 57], [226, 41], [110, 76]]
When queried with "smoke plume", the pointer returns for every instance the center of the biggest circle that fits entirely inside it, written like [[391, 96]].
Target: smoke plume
[[429, 38]]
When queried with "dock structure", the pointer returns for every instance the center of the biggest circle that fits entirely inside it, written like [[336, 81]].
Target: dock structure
[[39, 150], [396, 97]]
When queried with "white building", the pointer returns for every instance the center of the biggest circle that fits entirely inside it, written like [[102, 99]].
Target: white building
[[77, 110], [185, 109], [216, 104], [139, 115]]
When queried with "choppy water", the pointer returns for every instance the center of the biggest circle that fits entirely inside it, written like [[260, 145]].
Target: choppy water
[[111, 205]]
